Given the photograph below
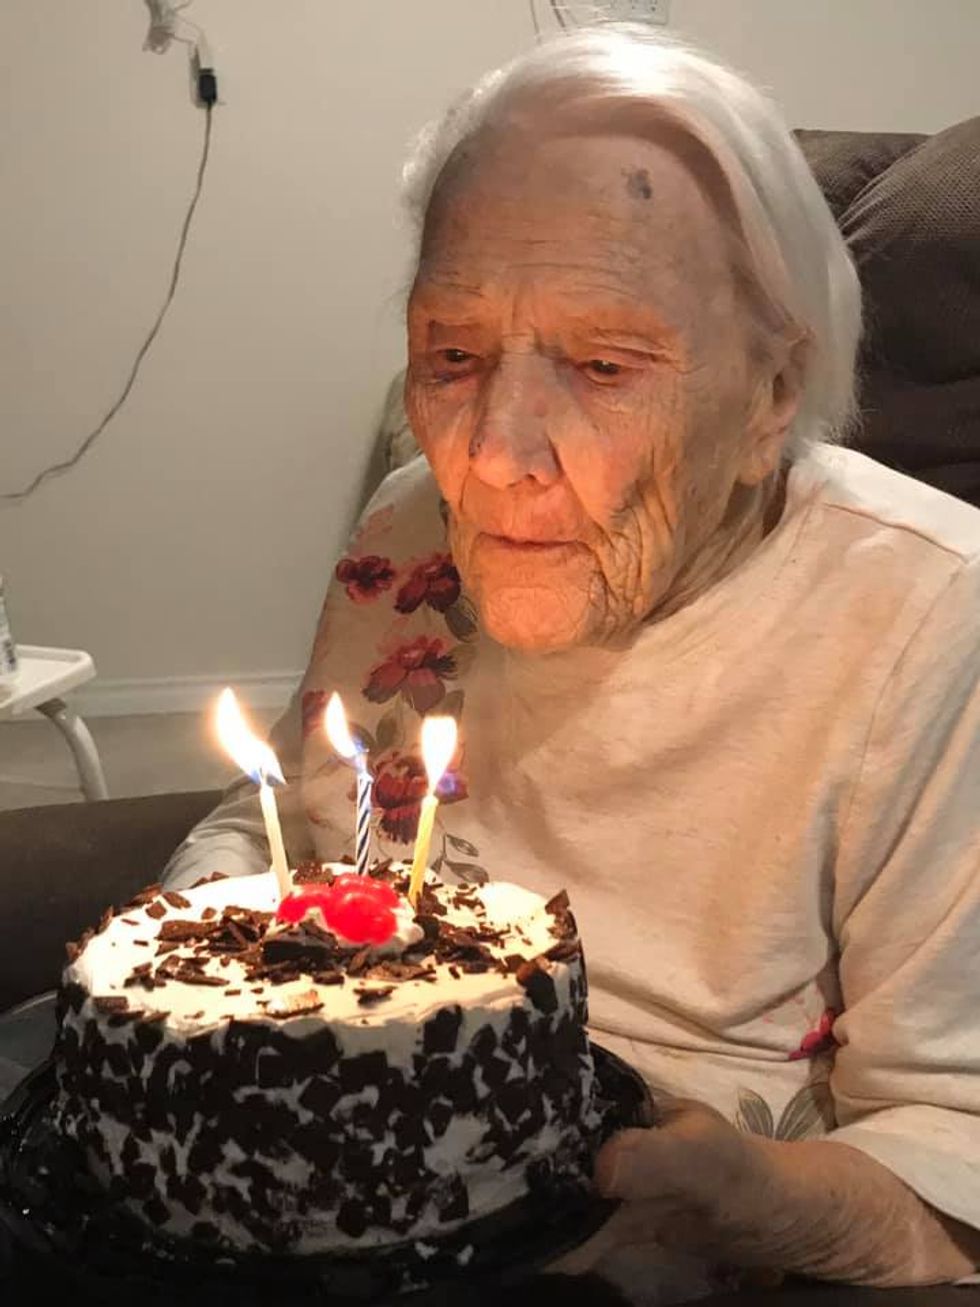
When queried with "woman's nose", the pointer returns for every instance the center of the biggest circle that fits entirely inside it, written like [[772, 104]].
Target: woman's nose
[[511, 441]]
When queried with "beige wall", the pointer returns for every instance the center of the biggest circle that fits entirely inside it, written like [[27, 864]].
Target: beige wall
[[196, 539]]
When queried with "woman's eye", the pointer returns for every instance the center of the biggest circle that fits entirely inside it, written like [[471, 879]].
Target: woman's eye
[[455, 356], [603, 370]]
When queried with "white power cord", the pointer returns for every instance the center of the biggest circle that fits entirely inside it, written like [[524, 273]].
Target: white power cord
[[165, 24]]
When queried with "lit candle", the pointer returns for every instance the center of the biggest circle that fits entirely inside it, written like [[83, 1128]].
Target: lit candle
[[257, 760], [438, 747], [338, 733]]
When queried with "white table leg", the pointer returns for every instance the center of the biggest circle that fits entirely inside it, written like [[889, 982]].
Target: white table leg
[[82, 746]]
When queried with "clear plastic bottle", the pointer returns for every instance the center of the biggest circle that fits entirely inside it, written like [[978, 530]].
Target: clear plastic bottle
[[8, 650]]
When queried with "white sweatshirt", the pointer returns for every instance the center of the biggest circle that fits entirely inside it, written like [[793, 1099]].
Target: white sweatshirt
[[766, 810]]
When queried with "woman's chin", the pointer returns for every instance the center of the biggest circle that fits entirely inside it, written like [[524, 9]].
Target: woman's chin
[[535, 619]]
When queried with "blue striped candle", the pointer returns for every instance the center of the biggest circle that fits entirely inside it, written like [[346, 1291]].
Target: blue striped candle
[[338, 733], [362, 829]]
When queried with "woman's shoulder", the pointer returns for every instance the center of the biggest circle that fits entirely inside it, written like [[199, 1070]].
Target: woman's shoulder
[[404, 515], [862, 498], [887, 559]]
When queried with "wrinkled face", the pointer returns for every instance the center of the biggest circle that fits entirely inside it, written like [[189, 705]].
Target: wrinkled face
[[580, 381]]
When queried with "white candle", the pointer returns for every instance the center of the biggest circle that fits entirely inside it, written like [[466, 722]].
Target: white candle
[[258, 761], [438, 747], [273, 830]]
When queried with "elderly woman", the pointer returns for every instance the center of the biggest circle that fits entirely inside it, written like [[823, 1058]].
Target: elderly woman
[[716, 676]]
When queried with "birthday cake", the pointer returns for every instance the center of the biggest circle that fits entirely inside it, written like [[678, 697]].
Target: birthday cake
[[331, 1072]]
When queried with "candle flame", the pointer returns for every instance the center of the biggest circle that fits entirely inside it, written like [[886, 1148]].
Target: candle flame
[[438, 747], [253, 755], [338, 732]]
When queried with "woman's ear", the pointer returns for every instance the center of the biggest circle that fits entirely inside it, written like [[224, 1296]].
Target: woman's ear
[[776, 405]]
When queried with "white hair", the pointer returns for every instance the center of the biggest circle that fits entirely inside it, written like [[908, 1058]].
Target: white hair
[[795, 263]]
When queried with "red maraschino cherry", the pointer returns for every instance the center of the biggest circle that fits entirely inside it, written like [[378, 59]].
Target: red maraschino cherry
[[359, 908]]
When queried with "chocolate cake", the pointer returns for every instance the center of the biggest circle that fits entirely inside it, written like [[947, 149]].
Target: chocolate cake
[[263, 1081]]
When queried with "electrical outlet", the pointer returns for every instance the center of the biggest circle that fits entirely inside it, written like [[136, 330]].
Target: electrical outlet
[[638, 11]]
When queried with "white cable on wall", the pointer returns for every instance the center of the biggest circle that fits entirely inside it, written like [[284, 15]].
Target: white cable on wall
[[165, 24]]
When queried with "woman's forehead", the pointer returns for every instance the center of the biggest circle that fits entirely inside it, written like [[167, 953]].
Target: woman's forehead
[[602, 223]]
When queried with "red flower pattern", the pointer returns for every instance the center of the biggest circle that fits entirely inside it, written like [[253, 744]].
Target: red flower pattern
[[400, 784], [416, 670], [314, 706], [817, 1041], [365, 578], [434, 581]]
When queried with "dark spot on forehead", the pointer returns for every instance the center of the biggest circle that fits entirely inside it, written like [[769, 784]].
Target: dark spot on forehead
[[638, 184]]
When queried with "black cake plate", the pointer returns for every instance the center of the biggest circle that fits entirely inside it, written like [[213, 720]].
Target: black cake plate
[[61, 1235]]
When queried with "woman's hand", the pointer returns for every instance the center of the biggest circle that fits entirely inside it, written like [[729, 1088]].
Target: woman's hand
[[697, 1185]]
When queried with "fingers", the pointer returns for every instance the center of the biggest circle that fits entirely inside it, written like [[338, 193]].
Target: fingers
[[589, 1254], [615, 1167], [688, 1153]]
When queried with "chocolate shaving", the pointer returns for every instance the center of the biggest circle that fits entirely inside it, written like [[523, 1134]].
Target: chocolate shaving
[[175, 900], [429, 905], [156, 910], [558, 903], [312, 873], [183, 932], [359, 962], [190, 976], [294, 1005], [564, 950], [390, 969], [237, 935], [145, 896], [540, 987], [209, 880], [368, 997], [110, 1003]]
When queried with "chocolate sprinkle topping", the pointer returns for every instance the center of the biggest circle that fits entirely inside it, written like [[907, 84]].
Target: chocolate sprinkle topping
[[539, 985], [110, 1003], [369, 997]]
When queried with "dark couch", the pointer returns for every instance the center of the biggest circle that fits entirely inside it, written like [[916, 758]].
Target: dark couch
[[910, 206]]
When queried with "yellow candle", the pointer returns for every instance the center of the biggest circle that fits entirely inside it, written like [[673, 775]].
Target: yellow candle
[[438, 747], [422, 842]]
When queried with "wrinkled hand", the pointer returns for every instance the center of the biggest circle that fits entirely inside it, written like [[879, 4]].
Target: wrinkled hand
[[693, 1184]]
